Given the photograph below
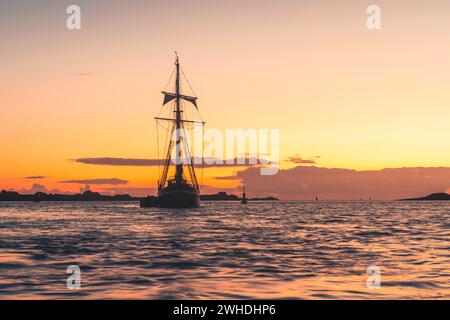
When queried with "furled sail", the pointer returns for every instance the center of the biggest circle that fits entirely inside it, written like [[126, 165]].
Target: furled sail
[[168, 96]]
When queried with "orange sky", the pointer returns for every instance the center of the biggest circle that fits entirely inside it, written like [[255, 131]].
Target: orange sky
[[359, 99]]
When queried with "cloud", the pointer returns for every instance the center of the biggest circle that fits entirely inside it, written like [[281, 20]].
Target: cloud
[[36, 187], [209, 162], [307, 182], [85, 188], [297, 159], [34, 177], [112, 181], [228, 178], [133, 191], [119, 162]]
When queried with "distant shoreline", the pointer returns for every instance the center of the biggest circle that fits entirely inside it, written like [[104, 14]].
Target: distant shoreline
[[13, 196], [431, 197], [95, 196]]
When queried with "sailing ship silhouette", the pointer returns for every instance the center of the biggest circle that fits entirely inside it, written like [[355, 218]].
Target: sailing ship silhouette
[[180, 190]]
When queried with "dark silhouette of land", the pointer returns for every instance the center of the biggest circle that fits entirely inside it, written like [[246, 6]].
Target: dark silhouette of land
[[41, 196], [432, 197], [223, 196], [95, 196]]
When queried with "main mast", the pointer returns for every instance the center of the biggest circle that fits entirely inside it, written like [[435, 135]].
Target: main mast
[[178, 124]]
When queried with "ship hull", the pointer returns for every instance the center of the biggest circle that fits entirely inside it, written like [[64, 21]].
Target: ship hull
[[178, 199]]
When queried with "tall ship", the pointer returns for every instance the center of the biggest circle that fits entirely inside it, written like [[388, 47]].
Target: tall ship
[[178, 186]]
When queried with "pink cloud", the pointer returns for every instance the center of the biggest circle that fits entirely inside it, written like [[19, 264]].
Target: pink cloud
[[305, 183]]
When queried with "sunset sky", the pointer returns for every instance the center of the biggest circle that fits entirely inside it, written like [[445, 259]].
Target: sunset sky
[[342, 96]]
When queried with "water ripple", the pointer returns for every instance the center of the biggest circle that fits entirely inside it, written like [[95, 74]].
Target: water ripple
[[282, 250]]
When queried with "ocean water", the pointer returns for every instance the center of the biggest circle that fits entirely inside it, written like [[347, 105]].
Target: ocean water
[[224, 250]]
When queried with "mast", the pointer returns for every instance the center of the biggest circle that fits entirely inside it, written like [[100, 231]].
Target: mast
[[178, 124], [180, 144]]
